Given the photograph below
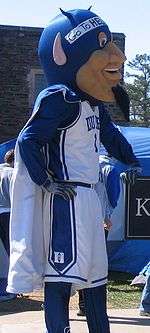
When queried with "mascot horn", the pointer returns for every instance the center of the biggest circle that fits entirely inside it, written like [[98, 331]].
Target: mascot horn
[[76, 49]]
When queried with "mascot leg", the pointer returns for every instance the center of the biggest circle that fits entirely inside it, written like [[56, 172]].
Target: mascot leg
[[57, 295], [95, 308]]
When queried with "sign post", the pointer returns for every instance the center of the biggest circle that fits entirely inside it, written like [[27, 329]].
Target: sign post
[[137, 210]]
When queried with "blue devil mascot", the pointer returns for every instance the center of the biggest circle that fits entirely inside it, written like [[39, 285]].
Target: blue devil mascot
[[56, 221]]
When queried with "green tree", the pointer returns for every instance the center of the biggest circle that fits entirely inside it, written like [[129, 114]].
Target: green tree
[[139, 89]]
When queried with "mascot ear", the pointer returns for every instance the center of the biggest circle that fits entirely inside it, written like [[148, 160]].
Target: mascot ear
[[58, 52]]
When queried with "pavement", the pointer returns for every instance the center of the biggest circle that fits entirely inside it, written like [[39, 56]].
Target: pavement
[[121, 321]]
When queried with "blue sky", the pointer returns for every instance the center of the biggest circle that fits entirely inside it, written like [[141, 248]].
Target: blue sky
[[130, 17]]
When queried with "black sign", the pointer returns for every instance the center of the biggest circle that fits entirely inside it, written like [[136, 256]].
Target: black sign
[[138, 209]]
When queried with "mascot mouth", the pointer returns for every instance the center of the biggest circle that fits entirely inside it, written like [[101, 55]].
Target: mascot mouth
[[112, 73]]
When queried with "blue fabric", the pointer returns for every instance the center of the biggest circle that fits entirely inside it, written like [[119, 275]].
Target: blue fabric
[[4, 230], [95, 309], [130, 256], [111, 179], [146, 269], [76, 54], [69, 95], [4, 295], [114, 142], [56, 306], [4, 147], [64, 247], [145, 298], [113, 186], [3, 286], [53, 113], [139, 140]]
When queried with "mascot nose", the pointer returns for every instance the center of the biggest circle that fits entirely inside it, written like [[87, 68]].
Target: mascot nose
[[116, 55]]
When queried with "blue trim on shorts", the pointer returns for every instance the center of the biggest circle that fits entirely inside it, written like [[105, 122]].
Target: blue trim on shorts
[[67, 276], [58, 240]]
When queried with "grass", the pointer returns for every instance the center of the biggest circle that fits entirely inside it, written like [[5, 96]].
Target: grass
[[120, 293]]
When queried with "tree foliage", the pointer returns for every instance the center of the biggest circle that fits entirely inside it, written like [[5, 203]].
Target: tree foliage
[[139, 89]]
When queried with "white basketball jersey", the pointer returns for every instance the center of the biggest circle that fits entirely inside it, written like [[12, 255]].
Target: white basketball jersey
[[79, 147]]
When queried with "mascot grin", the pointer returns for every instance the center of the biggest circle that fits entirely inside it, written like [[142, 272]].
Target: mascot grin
[[101, 72]]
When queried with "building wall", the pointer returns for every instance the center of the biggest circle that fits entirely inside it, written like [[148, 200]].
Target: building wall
[[18, 55], [18, 66]]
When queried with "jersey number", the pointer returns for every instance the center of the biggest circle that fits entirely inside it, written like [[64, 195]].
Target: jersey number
[[95, 143]]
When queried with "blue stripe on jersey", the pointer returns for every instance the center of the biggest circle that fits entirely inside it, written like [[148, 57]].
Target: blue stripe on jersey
[[63, 156], [67, 276], [46, 155], [62, 250], [52, 158]]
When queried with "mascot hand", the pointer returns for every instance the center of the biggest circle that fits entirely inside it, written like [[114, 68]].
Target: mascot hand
[[67, 191], [130, 175], [107, 224]]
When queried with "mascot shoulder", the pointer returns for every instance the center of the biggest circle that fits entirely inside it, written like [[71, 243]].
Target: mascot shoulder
[[69, 96]]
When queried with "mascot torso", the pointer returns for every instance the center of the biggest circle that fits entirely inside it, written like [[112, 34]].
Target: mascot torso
[[74, 153]]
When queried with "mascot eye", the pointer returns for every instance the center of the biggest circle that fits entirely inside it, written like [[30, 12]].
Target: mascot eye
[[102, 39]]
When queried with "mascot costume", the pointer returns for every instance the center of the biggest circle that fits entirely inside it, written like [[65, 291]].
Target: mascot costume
[[57, 234]]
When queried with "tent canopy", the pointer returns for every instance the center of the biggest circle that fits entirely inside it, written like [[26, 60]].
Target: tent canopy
[[130, 255]]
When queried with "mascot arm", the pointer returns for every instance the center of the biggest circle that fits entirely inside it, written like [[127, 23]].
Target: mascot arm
[[114, 142], [113, 187], [54, 113]]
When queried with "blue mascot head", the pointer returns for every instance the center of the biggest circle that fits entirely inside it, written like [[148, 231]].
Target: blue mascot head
[[67, 45]]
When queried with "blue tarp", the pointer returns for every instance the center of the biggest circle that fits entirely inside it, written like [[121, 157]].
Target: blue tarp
[[139, 138], [132, 255], [4, 147]]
